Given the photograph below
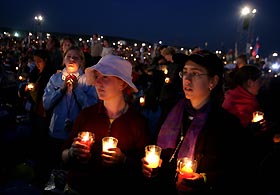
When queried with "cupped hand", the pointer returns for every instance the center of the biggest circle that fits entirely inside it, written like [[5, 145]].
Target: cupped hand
[[185, 185], [147, 171], [113, 156], [80, 150]]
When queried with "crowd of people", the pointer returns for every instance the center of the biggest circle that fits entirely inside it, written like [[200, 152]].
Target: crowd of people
[[188, 104]]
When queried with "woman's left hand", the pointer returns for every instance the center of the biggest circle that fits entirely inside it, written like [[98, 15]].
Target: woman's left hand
[[185, 185]]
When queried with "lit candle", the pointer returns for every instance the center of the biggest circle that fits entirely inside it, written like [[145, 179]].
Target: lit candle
[[109, 142], [142, 101], [257, 116], [153, 160], [86, 137], [186, 167], [165, 70], [167, 80], [187, 170], [30, 86], [152, 155]]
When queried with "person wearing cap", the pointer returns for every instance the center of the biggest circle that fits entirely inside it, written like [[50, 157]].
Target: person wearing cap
[[199, 128], [120, 168]]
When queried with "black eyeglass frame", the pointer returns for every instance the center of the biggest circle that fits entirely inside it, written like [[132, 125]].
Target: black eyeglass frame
[[193, 75]]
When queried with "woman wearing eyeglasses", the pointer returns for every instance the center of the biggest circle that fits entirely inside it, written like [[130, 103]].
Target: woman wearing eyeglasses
[[199, 128]]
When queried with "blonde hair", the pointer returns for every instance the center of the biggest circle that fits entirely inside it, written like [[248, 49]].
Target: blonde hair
[[81, 54], [168, 51]]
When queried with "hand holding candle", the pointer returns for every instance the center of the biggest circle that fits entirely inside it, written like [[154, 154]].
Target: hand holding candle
[[110, 157], [81, 148], [186, 167], [86, 137], [153, 157], [109, 142]]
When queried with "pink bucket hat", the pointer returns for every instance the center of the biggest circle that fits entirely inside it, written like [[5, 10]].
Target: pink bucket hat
[[113, 65]]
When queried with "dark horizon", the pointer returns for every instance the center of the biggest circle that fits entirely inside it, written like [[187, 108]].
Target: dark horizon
[[214, 23]]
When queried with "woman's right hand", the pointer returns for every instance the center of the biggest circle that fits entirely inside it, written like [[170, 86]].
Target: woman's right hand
[[79, 150]]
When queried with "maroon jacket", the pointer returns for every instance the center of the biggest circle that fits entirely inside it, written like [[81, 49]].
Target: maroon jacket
[[131, 130], [241, 103]]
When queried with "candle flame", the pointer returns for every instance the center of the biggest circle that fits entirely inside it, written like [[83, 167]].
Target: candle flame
[[257, 117], [85, 137], [30, 86], [142, 101], [167, 80], [187, 168]]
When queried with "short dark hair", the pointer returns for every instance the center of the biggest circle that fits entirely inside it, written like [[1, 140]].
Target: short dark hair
[[246, 73]]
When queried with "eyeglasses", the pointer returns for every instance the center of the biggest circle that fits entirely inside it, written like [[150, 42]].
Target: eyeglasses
[[190, 75]]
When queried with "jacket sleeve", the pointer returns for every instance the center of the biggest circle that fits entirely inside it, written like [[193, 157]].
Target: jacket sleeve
[[84, 94], [52, 93]]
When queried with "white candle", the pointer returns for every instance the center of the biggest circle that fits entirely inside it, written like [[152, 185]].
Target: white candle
[[109, 142], [153, 160], [152, 155], [257, 116]]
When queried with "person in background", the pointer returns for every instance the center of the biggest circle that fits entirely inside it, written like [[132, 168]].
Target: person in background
[[85, 47], [39, 78], [120, 167], [66, 42], [107, 49], [65, 95], [199, 128], [23, 70], [56, 56], [33, 104], [229, 83], [171, 91], [95, 49], [242, 102]]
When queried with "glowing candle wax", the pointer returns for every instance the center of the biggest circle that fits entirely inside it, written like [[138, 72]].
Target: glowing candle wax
[[187, 170], [86, 137], [186, 167], [109, 142], [257, 116], [142, 101], [153, 160], [30, 86], [152, 155]]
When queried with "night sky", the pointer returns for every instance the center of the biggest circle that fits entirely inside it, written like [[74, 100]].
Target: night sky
[[179, 22]]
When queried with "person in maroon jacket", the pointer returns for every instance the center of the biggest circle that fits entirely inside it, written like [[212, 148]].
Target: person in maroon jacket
[[90, 169]]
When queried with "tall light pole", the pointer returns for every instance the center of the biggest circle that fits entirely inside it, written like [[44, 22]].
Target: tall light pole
[[38, 22], [245, 30]]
